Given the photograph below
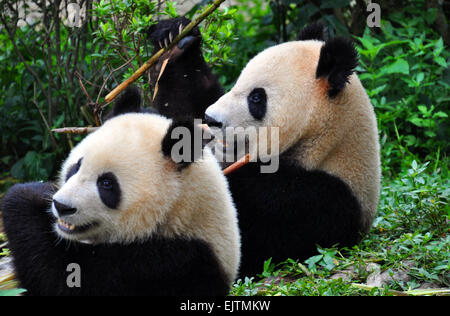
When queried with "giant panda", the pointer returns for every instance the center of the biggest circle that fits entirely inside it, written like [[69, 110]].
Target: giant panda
[[136, 221], [326, 189]]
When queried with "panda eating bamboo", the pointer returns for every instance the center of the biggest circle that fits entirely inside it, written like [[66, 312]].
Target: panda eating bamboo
[[135, 221], [326, 189]]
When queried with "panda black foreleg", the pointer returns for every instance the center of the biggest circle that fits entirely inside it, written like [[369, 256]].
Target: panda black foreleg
[[26, 215], [41, 258], [158, 266], [28, 226]]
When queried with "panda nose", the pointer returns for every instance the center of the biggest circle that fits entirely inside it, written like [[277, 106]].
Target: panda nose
[[63, 209], [211, 122]]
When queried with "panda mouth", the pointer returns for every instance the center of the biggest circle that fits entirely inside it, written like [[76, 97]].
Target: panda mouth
[[73, 229]]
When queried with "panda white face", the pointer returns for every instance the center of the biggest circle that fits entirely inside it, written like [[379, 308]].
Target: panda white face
[[116, 185], [87, 203], [277, 88]]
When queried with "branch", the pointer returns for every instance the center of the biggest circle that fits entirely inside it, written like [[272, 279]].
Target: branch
[[90, 103], [111, 73], [111, 96], [54, 143], [75, 130]]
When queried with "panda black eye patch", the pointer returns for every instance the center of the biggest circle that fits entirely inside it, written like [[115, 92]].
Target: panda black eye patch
[[257, 103], [73, 169], [109, 190]]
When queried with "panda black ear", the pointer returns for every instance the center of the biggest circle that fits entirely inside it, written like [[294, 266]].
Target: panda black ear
[[128, 102], [314, 31], [337, 62], [183, 142]]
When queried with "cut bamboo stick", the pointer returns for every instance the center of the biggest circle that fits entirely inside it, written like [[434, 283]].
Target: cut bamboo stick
[[238, 164], [75, 130], [163, 67]]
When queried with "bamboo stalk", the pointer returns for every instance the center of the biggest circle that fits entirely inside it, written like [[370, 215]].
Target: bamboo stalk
[[417, 292], [427, 292], [75, 130], [112, 95], [238, 164], [369, 288], [87, 130]]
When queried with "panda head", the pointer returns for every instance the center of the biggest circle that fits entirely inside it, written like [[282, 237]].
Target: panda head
[[293, 86], [120, 182]]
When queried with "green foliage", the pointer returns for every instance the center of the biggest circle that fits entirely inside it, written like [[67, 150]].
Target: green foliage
[[292, 278], [325, 260], [416, 201], [299, 13], [405, 73], [39, 92], [253, 32], [3, 250], [121, 30], [245, 288], [41, 72], [218, 34]]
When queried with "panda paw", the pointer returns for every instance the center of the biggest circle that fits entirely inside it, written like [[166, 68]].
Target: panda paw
[[163, 33], [35, 195]]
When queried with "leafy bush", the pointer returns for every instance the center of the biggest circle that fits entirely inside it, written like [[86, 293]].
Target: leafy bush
[[122, 25], [44, 63], [404, 70], [253, 31], [38, 64]]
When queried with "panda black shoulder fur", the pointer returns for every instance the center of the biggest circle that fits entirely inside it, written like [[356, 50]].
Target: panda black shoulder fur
[[326, 189], [135, 221]]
